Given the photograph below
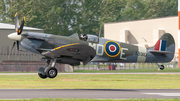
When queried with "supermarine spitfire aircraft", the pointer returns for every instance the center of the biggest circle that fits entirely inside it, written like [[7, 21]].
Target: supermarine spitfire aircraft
[[72, 50]]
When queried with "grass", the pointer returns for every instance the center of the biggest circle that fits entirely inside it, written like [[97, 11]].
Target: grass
[[91, 81], [86, 99], [128, 70]]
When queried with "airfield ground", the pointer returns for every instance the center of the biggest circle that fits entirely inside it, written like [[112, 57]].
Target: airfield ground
[[96, 81], [84, 99], [92, 81]]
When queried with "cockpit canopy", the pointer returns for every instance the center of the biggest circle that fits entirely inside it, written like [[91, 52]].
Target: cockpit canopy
[[88, 37], [92, 38]]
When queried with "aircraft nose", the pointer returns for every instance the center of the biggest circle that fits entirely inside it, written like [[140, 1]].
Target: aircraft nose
[[10, 36], [14, 36]]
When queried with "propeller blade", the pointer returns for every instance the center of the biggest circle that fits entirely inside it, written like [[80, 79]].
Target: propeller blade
[[13, 46], [17, 46], [16, 22], [21, 27]]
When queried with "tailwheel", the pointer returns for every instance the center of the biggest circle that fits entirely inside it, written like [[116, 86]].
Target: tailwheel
[[51, 72], [162, 67], [41, 73]]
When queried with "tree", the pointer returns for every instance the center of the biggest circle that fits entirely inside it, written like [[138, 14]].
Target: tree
[[161, 8], [54, 16], [90, 12], [134, 10], [65, 17], [2, 11]]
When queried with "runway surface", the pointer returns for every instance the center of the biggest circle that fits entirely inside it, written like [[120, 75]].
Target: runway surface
[[89, 93]]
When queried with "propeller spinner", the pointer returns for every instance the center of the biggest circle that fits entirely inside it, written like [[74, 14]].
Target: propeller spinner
[[16, 36]]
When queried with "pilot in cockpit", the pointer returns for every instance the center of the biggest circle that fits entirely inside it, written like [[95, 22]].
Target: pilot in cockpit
[[83, 37]]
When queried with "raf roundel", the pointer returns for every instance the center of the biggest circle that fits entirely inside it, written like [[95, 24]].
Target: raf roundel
[[112, 48]]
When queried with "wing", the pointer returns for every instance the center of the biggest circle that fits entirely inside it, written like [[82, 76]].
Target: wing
[[75, 51]]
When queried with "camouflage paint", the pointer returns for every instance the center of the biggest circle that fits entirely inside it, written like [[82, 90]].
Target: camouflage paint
[[106, 50]]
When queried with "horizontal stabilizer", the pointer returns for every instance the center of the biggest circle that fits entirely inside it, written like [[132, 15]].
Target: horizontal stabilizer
[[161, 52]]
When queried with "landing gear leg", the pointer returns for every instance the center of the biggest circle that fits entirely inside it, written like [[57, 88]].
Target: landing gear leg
[[51, 71], [41, 70], [160, 66]]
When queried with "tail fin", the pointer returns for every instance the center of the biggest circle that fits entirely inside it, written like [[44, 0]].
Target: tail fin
[[165, 45], [160, 45]]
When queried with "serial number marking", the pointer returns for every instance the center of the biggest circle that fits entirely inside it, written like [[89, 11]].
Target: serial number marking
[[141, 54]]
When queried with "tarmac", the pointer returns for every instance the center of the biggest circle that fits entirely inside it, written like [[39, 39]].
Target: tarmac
[[89, 93]]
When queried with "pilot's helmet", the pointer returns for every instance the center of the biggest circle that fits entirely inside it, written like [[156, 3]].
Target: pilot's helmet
[[83, 36]]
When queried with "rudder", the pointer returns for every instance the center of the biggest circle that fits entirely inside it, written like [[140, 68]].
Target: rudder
[[165, 43]]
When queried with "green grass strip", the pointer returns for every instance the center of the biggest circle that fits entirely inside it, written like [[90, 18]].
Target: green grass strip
[[92, 81]]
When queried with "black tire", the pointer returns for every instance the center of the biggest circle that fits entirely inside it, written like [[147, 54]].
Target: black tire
[[42, 76], [51, 72], [162, 67], [41, 73]]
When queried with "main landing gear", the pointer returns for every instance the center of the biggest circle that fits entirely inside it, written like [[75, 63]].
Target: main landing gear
[[49, 70], [161, 67]]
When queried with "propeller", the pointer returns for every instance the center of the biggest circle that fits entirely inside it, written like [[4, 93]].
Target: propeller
[[17, 44], [18, 31], [17, 28]]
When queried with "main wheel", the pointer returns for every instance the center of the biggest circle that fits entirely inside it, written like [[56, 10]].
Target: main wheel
[[162, 67], [41, 73], [51, 72], [42, 76]]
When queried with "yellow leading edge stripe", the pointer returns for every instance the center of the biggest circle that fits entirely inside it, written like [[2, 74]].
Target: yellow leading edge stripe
[[65, 46], [15, 15]]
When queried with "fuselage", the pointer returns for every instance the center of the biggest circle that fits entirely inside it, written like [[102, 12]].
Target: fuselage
[[106, 50]]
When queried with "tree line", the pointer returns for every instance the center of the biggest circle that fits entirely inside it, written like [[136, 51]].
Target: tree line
[[65, 17]]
